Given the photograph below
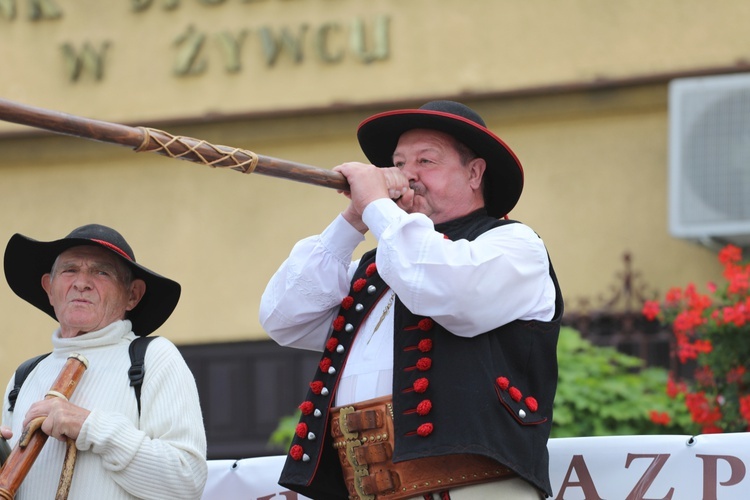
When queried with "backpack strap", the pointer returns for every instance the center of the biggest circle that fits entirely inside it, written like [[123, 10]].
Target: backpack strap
[[22, 372], [137, 351]]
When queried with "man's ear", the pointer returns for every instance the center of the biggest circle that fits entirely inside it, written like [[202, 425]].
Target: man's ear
[[46, 280], [477, 167], [137, 290]]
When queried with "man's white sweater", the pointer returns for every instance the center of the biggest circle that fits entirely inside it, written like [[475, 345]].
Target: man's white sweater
[[161, 455]]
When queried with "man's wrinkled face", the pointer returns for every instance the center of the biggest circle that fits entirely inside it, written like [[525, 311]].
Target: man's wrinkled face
[[89, 288], [445, 185]]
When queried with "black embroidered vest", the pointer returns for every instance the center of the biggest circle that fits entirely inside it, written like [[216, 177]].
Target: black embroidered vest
[[491, 395]]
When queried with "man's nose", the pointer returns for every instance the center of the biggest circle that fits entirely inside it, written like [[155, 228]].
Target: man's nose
[[409, 170], [83, 280]]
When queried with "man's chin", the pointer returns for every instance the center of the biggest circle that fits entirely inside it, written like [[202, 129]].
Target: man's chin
[[80, 323]]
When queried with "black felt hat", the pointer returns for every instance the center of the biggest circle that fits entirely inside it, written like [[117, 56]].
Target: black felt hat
[[26, 260], [503, 178]]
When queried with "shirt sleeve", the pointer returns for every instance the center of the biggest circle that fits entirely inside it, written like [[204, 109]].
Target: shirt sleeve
[[469, 287], [301, 299], [165, 456]]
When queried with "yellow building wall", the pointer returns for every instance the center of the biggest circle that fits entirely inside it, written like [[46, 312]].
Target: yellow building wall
[[595, 157], [172, 59]]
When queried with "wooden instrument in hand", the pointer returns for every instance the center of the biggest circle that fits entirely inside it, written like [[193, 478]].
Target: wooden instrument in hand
[[32, 439]]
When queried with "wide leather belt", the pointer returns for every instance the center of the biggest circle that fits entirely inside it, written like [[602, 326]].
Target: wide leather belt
[[363, 437]]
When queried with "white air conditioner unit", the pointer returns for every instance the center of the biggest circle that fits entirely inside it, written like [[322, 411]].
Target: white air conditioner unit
[[709, 159]]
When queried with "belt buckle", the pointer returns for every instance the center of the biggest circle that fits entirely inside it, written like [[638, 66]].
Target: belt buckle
[[352, 442], [360, 471], [350, 446], [343, 412]]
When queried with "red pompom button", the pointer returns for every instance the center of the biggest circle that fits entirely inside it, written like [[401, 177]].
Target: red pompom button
[[420, 385], [347, 302], [503, 383], [316, 386], [424, 430], [532, 404], [424, 407], [331, 344], [425, 345], [425, 324], [306, 407], [296, 452], [424, 364], [359, 284], [338, 323], [325, 364], [301, 430], [515, 394]]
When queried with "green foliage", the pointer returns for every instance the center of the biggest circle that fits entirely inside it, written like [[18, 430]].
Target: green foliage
[[602, 392], [282, 436]]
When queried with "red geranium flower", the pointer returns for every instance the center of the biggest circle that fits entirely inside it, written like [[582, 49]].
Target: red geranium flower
[[730, 254], [745, 408], [651, 310], [659, 418]]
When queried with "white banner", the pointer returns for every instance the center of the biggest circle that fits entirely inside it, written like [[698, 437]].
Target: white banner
[[708, 467]]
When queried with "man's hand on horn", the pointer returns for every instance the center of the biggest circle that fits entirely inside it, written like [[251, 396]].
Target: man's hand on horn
[[368, 183]]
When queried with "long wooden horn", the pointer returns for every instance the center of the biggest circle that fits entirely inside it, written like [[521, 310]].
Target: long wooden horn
[[144, 139]]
